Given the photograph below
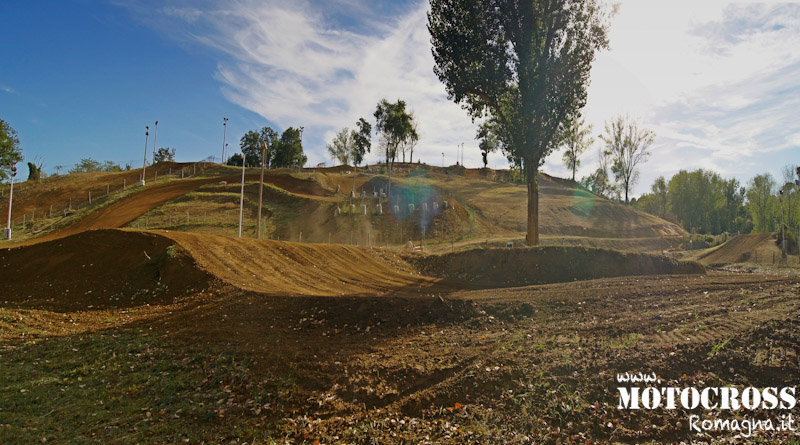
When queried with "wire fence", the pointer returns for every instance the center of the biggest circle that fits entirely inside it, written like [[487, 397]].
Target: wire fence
[[41, 219]]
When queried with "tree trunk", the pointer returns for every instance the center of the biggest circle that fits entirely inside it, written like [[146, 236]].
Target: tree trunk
[[532, 181]]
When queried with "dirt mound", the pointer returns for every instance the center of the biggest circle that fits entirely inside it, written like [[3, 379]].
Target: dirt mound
[[751, 248], [97, 269], [539, 265], [288, 269]]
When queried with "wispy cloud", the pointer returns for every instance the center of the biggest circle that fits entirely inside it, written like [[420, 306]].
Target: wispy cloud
[[296, 64], [718, 82], [7, 89], [719, 86]]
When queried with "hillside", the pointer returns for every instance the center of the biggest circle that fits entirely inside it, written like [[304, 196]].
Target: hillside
[[483, 206]]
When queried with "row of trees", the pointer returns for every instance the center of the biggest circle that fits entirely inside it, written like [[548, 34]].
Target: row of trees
[[704, 202], [285, 150], [397, 131]]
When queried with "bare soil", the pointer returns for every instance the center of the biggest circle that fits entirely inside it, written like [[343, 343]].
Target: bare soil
[[354, 345]]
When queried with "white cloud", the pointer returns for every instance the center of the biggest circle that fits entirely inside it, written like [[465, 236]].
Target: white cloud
[[717, 81], [7, 89], [189, 15], [293, 66]]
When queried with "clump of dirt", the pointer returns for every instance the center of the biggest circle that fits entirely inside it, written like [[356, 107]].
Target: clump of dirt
[[550, 264], [97, 269]]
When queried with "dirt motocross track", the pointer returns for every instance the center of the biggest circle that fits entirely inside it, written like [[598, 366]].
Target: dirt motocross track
[[355, 345]]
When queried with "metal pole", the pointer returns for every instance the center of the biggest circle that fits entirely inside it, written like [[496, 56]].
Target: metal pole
[[155, 138], [144, 163], [261, 188], [224, 131], [241, 199], [10, 199]]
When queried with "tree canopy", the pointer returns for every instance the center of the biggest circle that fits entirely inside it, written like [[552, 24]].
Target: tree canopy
[[342, 146], [165, 154], [396, 126], [88, 165], [362, 139], [523, 66], [250, 144], [289, 150], [10, 153], [285, 150]]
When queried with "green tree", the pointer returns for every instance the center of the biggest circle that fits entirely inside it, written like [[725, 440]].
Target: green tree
[[760, 191], [524, 66], [396, 127], [660, 196], [165, 154], [342, 146], [86, 165], [235, 160], [576, 141], [362, 140], [599, 182], [10, 153], [34, 172], [627, 147], [656, 202], [251, 142], [289, 150], [487, 142], [691, 198]]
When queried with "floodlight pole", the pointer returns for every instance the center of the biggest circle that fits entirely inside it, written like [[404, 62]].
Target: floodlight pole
[[155, 141], [224, 132], [10, 200], [144, 163], [241, 199], [300, 168], [261, 188]]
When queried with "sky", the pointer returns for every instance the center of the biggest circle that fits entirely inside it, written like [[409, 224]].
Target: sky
[[718, 82]]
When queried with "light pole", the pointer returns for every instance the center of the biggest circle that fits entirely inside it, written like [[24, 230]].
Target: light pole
[[241, 199], [300, 166], [155, 141], [144, 163], [10, 199], [442, 159], [261, 188], [224, 131], [462, 154]]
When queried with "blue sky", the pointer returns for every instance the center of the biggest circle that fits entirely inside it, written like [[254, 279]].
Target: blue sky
[[718, 82]]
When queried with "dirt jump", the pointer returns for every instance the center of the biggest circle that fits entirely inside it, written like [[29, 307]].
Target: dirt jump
[[750, 248]]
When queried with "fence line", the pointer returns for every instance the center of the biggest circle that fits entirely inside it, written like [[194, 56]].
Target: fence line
[[98, 196]]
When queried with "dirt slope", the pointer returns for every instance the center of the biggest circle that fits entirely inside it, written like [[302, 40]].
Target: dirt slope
[[539, 265], [281, 268], [115, 268], [751, 248], [97, 269]]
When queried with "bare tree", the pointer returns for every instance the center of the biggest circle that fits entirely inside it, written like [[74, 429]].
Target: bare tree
[[627, 147], [576, 141]]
